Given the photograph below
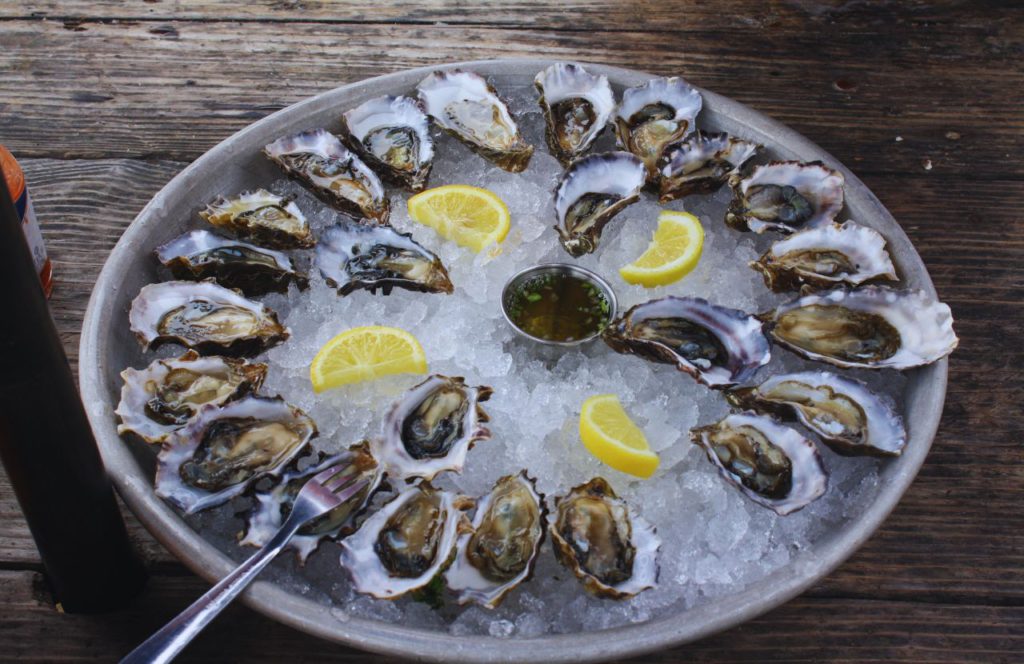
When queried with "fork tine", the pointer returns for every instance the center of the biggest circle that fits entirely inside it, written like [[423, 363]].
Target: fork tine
[[327, 474], [351, 490], [340, 480]]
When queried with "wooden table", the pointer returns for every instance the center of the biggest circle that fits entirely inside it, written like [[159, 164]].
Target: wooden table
[[104, 101]]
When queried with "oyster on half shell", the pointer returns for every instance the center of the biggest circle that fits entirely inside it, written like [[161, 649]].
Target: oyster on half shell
[[393, 135], [432, 427], [577, 106], [406, 543], [592, 191], [466, 106], [163, 397], [771, 464], [653, 116], [352, 255], [502, 550], [716, 345], [199, 255], [203, 316], [871, 327], [318, 159], [785, 196], [611, 550], [844, 413], [701, 164], [222, 450], [275, 504], [264, 218], [826, 256]]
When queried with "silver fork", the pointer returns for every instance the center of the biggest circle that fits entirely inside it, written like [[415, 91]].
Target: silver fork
[[322, 493]]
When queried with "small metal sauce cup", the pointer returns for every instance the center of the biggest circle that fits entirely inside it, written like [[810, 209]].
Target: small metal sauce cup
[[517, 280]]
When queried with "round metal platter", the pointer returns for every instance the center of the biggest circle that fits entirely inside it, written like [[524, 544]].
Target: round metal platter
[[107, 347]]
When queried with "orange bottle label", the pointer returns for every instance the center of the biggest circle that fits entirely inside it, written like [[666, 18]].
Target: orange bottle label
[[15, 179]]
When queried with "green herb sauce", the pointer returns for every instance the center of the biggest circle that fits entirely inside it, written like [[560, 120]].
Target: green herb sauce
[[559, 307]]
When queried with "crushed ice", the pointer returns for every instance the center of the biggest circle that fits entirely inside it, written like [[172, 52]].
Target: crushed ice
[[715, 542]]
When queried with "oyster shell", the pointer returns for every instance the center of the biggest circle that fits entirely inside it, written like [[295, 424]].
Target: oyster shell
[[265, 218], [826, 256], [785, 196], [592, 191], [466, 106], [502, 550], [871, 327], [203, 316], [655, 115], [163, 397], [576, 105], [771, 464], [275, 504], [611, 550], [200, 255], [352, 255], [393, 135], [844, 413], [701, 164], [432, 427], [404, 545], [218, 454], [716, 345], [318, 159]]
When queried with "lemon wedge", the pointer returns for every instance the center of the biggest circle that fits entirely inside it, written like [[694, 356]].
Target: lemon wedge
[[469, 216], [671, 255], [609, 434], [365, 353]]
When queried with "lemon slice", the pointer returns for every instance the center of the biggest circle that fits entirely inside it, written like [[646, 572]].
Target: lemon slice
[[671, 255], [470, 216], [611, 436], [365, 353]]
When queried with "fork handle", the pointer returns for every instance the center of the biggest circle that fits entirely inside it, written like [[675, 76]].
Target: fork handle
[[164, 645]]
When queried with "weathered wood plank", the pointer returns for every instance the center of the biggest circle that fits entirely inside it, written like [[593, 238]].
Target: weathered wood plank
[[106, 90], [588, 15], [844, 631], [967, 540]]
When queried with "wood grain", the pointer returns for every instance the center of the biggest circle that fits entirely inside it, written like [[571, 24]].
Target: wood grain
[[110, 81], [855, 631], [105, 101]]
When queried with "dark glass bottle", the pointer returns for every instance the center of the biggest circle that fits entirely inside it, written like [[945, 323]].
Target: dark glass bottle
[[47, 446]]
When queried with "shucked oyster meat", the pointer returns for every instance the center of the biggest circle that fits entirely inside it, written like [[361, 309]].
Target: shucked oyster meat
[[576, 106], [826, 256], [200, 255], [701, 164], [393, 135], [655, 115], [267, 219], [500, 553], [218, 454], [716, 345], [592, 191], [844, 413], [771, 464], [275, 504], [404, 545], [352, 255], [785, 196], [204, 316], [432, 427], [871, 327], [466, 106], [611, 550], [318, 159], [163, 397]]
